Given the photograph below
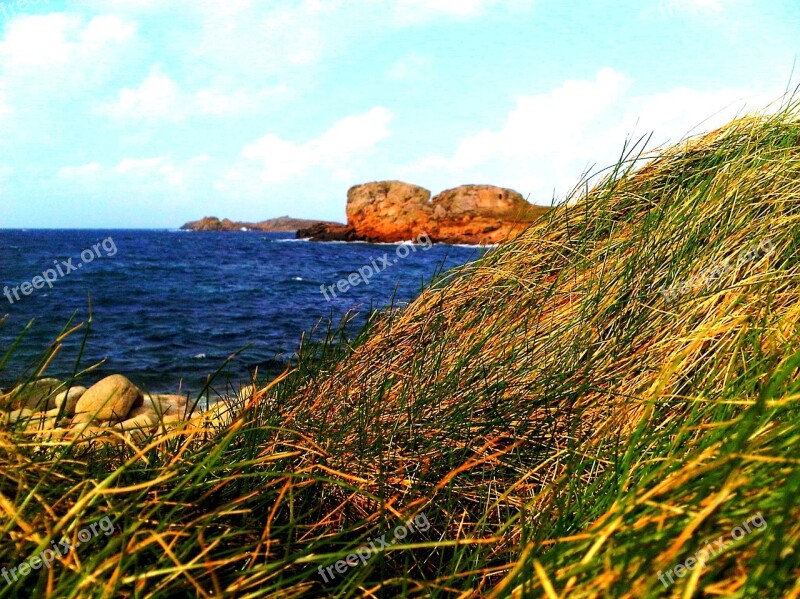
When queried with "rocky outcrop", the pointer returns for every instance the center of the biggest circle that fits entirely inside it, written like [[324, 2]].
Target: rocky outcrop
[[284, 224], [481, 214], [392, 211], [388, 210], [321, 232]]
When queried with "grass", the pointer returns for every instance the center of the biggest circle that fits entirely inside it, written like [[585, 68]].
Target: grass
[[566, 430]]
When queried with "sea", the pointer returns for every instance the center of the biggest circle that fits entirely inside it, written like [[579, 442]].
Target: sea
[[178, 311]]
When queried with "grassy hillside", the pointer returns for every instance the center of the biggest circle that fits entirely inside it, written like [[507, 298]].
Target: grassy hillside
[[607, 396]]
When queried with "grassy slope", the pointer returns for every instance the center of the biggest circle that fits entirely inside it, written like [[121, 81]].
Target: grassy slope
[[565, 429]]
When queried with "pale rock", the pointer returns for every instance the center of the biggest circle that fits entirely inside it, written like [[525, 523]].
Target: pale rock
[[15, 416], [110, 400], [140, 424], [36, 395], [164, 404], [43, 421], [70, 398]]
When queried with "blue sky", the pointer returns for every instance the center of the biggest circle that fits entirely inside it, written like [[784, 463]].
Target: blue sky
[[149, 113]]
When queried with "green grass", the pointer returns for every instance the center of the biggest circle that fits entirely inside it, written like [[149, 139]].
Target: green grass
[[566, 430]]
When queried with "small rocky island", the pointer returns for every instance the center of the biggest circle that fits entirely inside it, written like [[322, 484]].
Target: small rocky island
[[392, 211], [283, 224]]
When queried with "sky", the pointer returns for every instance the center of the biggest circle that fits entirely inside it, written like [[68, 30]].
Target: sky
[[150, 113]]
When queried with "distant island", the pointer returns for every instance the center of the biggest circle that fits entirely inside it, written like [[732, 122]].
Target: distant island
[[393, 211], [283, 224]]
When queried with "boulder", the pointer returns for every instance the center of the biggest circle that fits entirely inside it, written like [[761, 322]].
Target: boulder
[[110, 400], [143, 417], [45, 421], [69, 399], [29, 421], [103, 434], [175, 422], [15, 416], [219, 415], [35, 395], [140, 424], [167, 404]]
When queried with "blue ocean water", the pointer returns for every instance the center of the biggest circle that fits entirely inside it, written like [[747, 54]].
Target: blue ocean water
[[169, 307]]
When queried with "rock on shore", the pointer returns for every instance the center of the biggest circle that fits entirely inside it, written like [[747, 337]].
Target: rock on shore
[[392, 211], [113, 410]]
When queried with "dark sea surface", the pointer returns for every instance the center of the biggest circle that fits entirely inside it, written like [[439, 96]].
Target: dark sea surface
[[169, 307]]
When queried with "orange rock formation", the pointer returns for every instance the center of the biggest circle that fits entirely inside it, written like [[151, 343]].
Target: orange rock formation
[[391, 211]]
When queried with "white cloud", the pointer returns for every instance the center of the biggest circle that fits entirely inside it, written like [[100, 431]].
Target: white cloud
[[4, 107], [160, 97], [412, 66], [79, 172], [56, 39], [218, 103], [348, 139], [49, 60], [416, 10], [153, 167], [253, 39], [40, 40], [157, 96], [548, 140], [137, 171], [692, 7], [125, 5]]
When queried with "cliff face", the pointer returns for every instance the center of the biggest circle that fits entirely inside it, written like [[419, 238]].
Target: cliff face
[[282, 224], [390, 211]]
